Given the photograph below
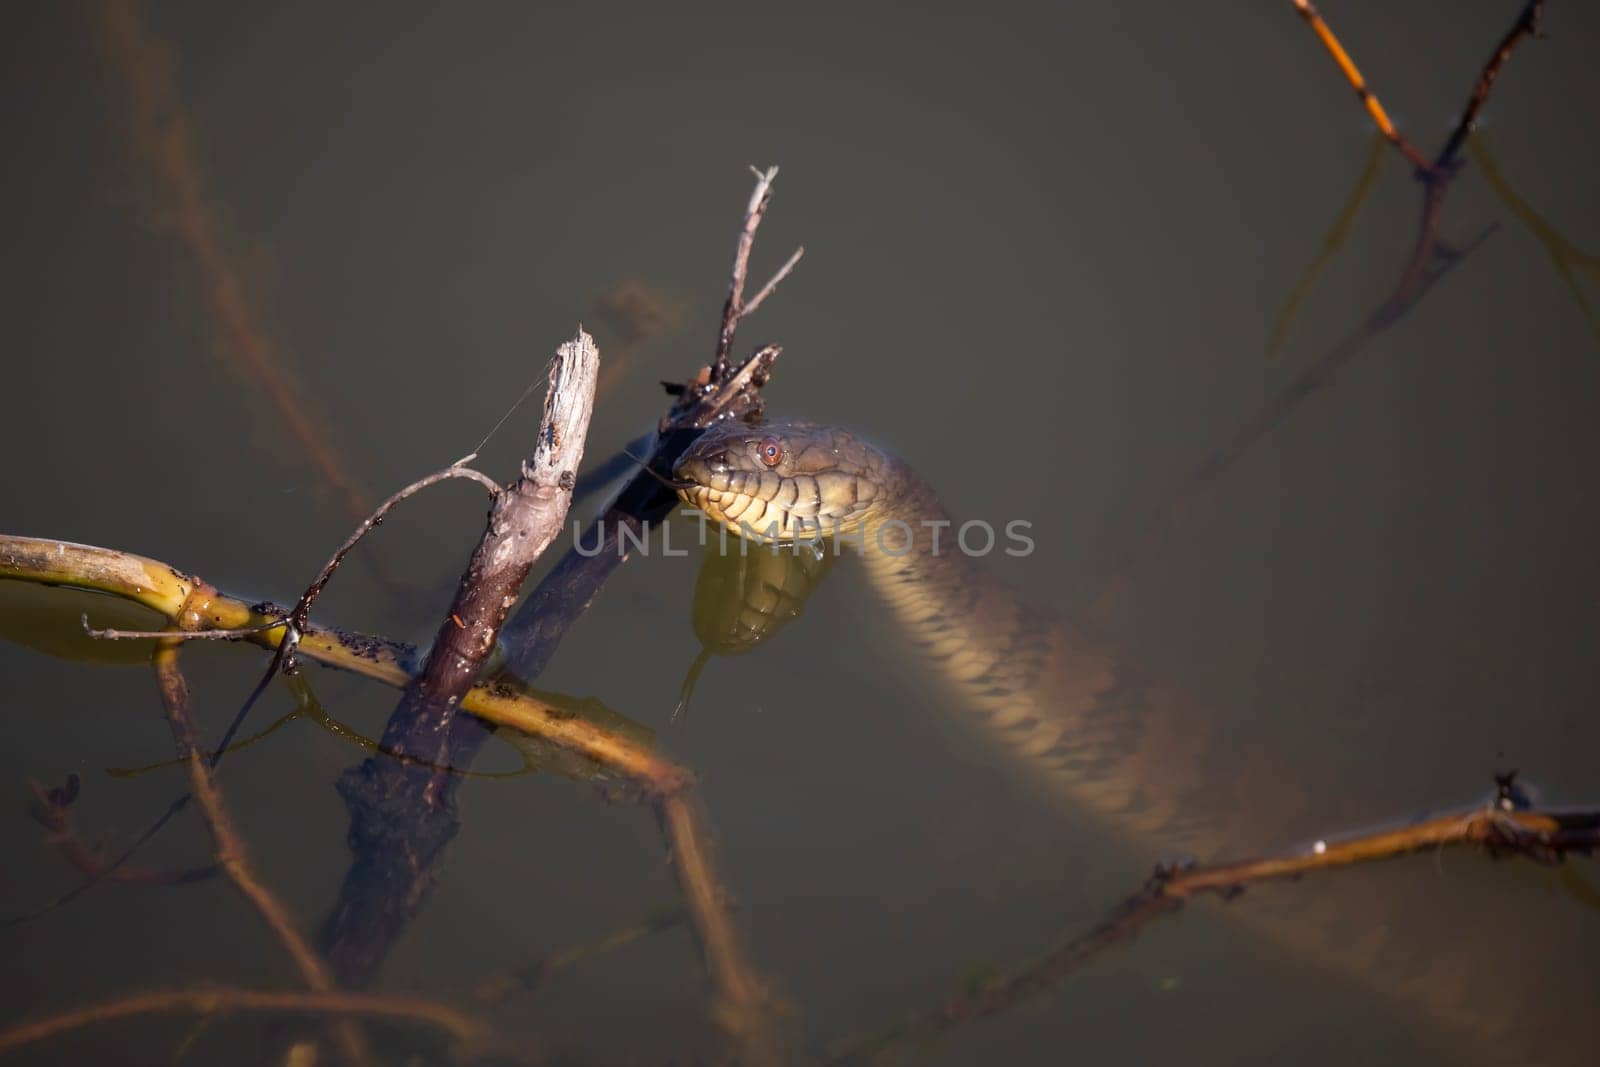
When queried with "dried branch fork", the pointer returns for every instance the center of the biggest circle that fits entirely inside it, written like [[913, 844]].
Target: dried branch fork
[[1431, 259], [1501, 828], [735, 309], [1528, 24]]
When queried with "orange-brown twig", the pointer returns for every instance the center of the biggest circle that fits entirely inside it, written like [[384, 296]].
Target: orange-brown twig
[[231, 854], [222, 1001], [1352, 74], [1540, 836]]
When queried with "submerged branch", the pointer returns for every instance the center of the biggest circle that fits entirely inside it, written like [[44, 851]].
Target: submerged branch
[[500, 987], [1542, 836], [223, 1001], [52, 810], [232, 856]]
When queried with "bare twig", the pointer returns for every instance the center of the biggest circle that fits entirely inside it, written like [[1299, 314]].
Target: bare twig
[[1352, 73], [1539, 836], [772, 283], [733, 309], [1529, 24], [231, 854], [299, 616], [109, 634], [224, 1001], [718, 391]]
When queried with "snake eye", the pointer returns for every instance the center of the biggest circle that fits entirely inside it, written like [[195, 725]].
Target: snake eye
[[770, 451]]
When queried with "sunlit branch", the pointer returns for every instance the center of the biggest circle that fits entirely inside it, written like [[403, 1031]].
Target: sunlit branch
[[1352, 74]]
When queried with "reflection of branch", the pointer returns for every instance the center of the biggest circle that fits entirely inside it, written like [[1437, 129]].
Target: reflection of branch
[[1567, 258], [231, 854], [1540, 836], [1330, 247], [223, 1001]]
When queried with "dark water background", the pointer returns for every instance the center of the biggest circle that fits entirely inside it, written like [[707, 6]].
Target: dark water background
[[1045, 253]]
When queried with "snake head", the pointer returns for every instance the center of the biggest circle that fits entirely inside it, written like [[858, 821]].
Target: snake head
[[783, 481]]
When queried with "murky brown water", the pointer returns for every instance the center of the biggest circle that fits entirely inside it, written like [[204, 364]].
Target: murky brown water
[[1044, 258]]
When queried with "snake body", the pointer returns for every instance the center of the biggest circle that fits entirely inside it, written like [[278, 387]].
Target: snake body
[[1061, 700], [1088, 723]]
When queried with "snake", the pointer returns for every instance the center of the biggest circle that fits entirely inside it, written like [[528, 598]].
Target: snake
[[1080, 718]]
